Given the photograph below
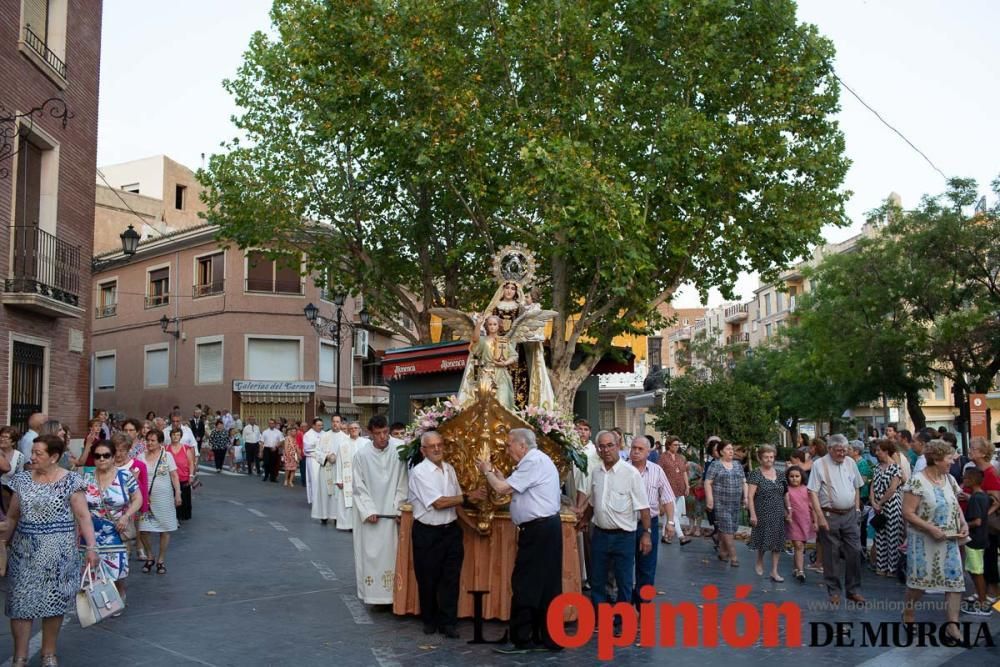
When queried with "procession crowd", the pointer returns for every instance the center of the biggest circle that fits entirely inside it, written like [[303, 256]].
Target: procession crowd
[[907, 506]]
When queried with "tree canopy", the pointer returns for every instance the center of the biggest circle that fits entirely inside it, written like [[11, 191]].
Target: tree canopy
[[633, 145]]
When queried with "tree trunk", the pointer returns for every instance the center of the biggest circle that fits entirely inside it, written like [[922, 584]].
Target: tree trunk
[[916, 411], [566, 381]]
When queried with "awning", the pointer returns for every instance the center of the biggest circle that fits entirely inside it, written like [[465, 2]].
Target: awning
[[274, 397], [440, 364], [648, 399]]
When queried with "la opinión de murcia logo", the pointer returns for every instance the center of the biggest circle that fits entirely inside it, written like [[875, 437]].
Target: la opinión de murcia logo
[[738, 624]]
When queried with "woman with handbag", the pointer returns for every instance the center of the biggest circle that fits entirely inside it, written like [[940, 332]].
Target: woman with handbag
[[113, 499], [43, 570], [164, 497], [887, 502], [187, 470]]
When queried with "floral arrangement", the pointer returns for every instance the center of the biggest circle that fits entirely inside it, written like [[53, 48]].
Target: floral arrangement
[[428, 418], [559, 427]]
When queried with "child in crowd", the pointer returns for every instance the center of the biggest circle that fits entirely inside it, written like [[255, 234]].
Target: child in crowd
[[291, 455], [976, 510], [798, 514], [236, 450]]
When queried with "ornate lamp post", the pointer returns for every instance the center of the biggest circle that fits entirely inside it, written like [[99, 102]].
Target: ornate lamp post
[[334, 328]]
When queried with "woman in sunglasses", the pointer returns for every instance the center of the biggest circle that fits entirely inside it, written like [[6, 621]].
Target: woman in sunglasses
[[113, 498]]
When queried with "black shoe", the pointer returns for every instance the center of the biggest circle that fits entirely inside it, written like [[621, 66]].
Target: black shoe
[[429, 629], [450, 632], [514, 649]]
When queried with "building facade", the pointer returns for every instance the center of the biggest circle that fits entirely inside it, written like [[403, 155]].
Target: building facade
[[50, 58], [185, 321]]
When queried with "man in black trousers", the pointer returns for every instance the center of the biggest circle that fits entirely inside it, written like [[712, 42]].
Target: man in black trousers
[[437, 537]]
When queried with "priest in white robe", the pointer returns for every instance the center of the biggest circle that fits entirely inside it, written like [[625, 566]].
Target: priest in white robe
[[309, 441], [324, 454], [380, 487], [347, 446]]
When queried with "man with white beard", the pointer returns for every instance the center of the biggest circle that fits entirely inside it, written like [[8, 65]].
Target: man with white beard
[[347, 447], [380, 487], [309, 441]]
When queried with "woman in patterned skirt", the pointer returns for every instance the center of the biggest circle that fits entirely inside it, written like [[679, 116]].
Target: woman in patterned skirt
[[113, 499], [886, 500], [43, 569], [766, 495], [725, 492], [164, 497]]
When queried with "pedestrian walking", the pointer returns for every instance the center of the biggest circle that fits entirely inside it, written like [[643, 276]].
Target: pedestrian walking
[[660, 497], [187, 470], [725, 495], [219, 441], [251, 444], [164, 497], [801, 522], [887, 502], [271, 440], [766, 501], [290, 455]]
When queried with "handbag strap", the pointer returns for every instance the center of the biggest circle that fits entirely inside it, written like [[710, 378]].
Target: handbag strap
[[155, 470]]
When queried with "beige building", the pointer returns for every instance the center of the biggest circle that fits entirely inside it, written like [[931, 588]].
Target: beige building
[[184, 321], [156, 195]]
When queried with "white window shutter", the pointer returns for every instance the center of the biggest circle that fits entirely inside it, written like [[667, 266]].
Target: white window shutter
[[105, 371], [157, 363], [210, 362], [272, 359], [327, 362]]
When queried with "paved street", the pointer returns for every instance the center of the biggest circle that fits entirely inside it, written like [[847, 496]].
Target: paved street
[[252, 581]]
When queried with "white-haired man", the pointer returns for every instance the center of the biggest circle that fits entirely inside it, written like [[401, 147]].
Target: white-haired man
[[534, 509]]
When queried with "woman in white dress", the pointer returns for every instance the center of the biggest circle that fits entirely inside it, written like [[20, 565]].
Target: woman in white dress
[[164, 498]]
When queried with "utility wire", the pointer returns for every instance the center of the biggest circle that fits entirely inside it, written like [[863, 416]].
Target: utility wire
[[143, 220], [888, 125]]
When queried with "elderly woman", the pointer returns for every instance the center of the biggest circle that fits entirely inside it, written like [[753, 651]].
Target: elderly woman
[[43, 575], [136, 468], [725, 493], [935, 527], [886, 500], [14, 461], [113, 499], [675, 467], [766, 496], [164, 497], [981, 452]]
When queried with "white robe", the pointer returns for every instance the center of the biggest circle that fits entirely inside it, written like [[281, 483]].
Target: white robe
[[344, 476], [325, 489], [312, 467], [380, 487]]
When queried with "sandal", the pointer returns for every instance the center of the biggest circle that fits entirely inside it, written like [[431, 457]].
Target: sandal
[[147, 567], [19, 662], [161, 568], [50, 661], [734, 562]]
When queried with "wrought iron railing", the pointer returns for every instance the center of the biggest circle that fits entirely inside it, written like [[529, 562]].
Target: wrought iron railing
[[39, 46], [45, 265], [107, 310], [157, 300], [208, 289], [268, 286]]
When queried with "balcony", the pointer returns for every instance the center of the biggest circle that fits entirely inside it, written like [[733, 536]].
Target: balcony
[[736, 313], [107, 310], [370, 395], [157, 300], [45, 274], [682, 334], [209, 289], [42, 50], [738, 338], [277, 287]]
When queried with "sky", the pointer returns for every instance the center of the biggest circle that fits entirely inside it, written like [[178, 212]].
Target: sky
[[927, 67]]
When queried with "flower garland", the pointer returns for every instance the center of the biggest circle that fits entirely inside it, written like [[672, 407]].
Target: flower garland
[[558, 427]]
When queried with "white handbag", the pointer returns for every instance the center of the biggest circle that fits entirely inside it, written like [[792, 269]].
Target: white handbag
[[98, 598]]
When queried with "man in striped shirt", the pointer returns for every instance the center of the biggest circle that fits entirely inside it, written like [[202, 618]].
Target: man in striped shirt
[[661, 500]]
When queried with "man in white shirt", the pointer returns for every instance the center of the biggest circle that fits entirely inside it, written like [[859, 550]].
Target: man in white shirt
[[227, 420], [834, 491], [661, 501], [437, 537], [534, 509], [251, 445], [271, 440], [309, 441], [617, 501], [35, 422], [187, 437]]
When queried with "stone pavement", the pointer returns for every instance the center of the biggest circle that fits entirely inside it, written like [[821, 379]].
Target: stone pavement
[[253, 581]]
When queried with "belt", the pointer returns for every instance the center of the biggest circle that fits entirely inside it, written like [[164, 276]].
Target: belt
[[535, 522], [436, 526], [612, 530], [835, 511]]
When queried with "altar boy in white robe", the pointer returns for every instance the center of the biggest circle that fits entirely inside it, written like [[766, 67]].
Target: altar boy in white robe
[[380, 487], [324, 455], [347, 447]]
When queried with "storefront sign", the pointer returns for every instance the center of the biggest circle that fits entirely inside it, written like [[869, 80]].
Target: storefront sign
[[455, 362], [977, 416], [274, 386]]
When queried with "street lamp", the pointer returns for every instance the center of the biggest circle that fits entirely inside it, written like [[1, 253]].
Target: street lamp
[[334, 328], [130, 242], [166, 322]]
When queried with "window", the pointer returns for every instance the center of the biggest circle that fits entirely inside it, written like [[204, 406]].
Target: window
[[278, 276], [132, 188], [180, 197], [606, 415], [107, 298], [156, 366], [273, 359], [767, 330], [327, 362], [767, 304], [778, 306], [938, 387], [104, 370], [158, 291], [208, 360], [210, 272], [43, 38]]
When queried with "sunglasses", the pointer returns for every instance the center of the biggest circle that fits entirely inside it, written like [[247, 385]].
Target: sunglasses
[[103, 456]]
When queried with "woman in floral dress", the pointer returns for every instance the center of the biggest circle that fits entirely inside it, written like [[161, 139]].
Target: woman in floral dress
[[935, 526], [113, 498]]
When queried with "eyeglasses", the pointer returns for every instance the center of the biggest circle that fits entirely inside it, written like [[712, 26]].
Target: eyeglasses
[[98, 457]]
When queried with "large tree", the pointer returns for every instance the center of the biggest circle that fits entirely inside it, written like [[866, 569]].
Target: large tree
[[633, 145]]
